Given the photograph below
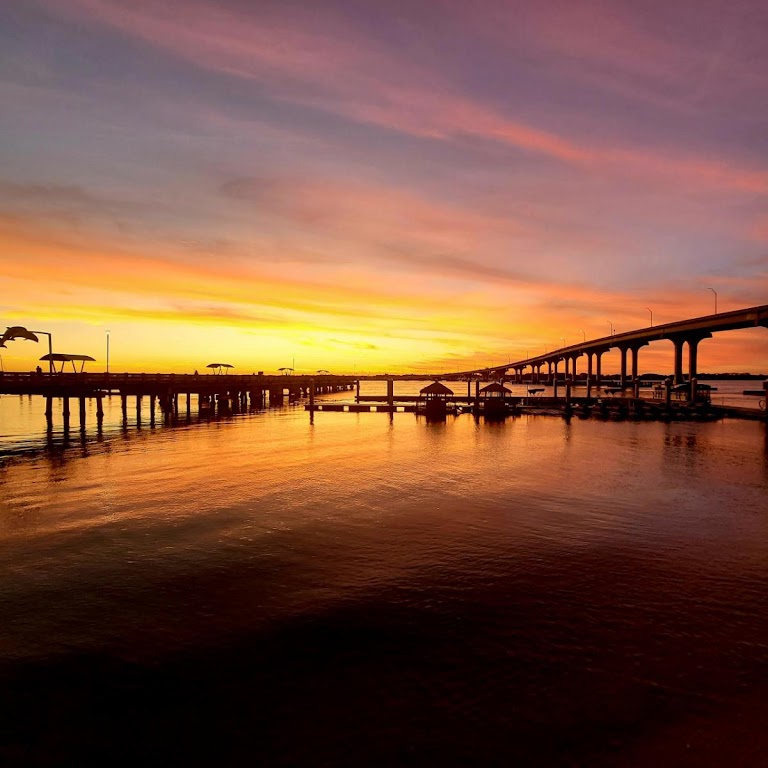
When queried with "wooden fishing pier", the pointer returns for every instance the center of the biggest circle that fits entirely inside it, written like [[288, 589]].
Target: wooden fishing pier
[[225, 393]]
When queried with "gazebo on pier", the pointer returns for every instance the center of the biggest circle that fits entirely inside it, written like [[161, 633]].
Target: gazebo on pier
[[61, 357], [495, 398], [435, 399]]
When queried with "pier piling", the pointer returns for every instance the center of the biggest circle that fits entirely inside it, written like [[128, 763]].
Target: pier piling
[[49, 412], [65, 412]]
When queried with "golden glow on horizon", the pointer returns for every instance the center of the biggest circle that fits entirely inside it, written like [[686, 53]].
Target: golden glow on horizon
[[168, 314]]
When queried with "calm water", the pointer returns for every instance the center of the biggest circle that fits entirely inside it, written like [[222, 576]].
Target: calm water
[[364, 591]]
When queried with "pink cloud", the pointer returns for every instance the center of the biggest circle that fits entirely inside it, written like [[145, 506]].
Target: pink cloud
[[759, 231], [317, 59]]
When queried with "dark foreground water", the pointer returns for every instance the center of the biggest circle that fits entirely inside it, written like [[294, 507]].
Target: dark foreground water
[[366, 592]]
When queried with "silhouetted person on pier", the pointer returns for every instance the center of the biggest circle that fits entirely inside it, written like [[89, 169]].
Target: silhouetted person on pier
[[39, 371]]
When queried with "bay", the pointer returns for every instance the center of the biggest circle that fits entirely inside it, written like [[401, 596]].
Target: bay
[[366, 590]]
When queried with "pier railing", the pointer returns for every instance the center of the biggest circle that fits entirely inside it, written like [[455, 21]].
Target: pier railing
[[41, 383]]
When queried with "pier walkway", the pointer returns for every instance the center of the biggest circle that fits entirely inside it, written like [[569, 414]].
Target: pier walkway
[[217, 392]]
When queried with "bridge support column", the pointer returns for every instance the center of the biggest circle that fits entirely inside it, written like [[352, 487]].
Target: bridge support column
[[635, 349], [138, 410], [311, 395], [693, 355], [573, 368], [623, 375], [678, 360], [189, 404], [598, 368], [589, 375], [549, 371], [554, 380], [152, 399], [692, 340], [82, 413], [99, 411], [391, 394], [357, 391], [124, 407]]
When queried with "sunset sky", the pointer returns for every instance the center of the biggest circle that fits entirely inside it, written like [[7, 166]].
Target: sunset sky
[[379, 186]]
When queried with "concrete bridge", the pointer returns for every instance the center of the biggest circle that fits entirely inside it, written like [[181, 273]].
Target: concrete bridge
[[685, 332]]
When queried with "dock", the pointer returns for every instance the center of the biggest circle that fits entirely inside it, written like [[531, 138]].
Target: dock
[[216, 393]]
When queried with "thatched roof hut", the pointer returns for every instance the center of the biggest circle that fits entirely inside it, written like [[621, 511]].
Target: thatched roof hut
[[495, 390], [435, 389]]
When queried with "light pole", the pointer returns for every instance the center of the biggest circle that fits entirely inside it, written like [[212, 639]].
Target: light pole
[[50, 349], [563, 340], [715, 292], [107, 350], [651, 311], [583, 336], [611, 324], [19, 332]]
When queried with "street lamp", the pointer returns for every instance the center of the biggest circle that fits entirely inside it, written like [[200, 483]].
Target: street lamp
[[611, 324], [651, 311], [583, 336], [107, 350], [715, 292], [563, 340]]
